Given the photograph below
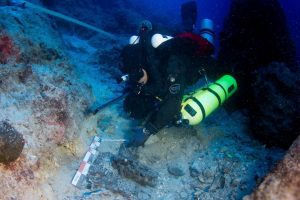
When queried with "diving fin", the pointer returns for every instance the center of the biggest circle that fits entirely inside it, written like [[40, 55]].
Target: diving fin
[[189, 15]]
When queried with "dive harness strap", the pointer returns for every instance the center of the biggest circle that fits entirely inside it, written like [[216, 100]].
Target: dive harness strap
[[222, 89], [199, 104]]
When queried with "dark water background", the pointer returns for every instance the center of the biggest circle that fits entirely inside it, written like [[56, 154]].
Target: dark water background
[[292, 8]]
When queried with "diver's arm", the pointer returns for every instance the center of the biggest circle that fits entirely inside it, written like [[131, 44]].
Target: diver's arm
[[155, 84]]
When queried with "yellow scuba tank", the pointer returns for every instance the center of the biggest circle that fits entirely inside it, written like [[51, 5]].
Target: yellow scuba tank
[[206, 100]]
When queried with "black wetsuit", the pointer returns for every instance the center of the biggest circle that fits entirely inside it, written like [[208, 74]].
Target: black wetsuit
[[171, 68]]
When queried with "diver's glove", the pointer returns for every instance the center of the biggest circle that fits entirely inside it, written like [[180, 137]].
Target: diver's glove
[[141, 135], [132, 77]]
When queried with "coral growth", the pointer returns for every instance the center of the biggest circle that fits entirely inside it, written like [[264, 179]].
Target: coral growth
[[52, 111], [7, 49], [42, 98], [40, 53]]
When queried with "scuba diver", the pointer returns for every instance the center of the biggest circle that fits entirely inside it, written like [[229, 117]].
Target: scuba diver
[[18, 3], [159, 69]]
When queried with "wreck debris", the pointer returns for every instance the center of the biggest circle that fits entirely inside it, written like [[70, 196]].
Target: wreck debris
[[134, 170]]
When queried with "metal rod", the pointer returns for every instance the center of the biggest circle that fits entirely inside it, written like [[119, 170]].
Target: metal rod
[[109, 103], [69, 19]]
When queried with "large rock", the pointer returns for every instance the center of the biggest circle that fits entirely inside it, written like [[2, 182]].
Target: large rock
[[284, 181], [255, 34], [11, 143], [275, 115]]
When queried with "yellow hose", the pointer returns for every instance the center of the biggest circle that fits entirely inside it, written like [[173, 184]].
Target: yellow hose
[[69, 19]]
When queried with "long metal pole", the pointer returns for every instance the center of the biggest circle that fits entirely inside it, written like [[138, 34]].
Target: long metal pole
[[69, 19]]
